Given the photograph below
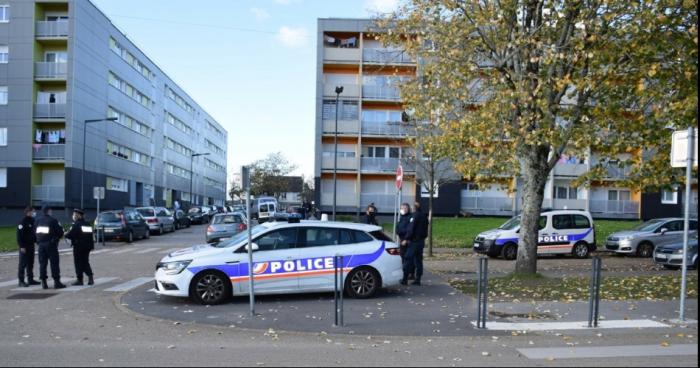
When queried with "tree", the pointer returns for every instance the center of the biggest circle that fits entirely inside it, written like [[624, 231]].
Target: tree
[[267, 175], [520, 82], [308, 191], [236, 192]]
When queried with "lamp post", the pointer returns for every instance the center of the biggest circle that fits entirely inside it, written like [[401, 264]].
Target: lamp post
[[82, 172], [338, 91], [192, 156]]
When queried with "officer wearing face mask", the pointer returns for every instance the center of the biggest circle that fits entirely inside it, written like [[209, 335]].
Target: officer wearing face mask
[[26, 239], [80, 234]]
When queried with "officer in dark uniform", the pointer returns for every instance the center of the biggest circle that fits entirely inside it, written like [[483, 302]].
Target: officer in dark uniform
[[48, 233], [402, 230], [415, 241], [80, 235], [26, 238]]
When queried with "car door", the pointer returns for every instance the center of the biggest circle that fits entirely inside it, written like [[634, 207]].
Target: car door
[[545, 226], [166, 218], [566, 230], [673, 233], [274, 263], [318, 246]]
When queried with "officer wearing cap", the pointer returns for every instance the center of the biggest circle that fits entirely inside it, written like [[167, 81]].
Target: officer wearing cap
[[26, 238], [48, 234], [80, 235]]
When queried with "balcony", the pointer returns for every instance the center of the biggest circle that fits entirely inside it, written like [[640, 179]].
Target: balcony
[[383, 164], [50, 152], [49, 194], [388, 128], [50, 71], [349, 90], [344, 163], [344, 199], [342, 55], [384, 202], [616, 172], [381, 93], [52, 29], [487, 205], [569, 204], [571, 170], [50, 111], [386, 56], [345, 127]]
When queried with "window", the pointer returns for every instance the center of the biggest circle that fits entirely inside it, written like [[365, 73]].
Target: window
[[3, 137], [669, 197], [216, 130], [349, 110], [4, 13], [130, 59], [129, 90], [177, 147], [177, 123], [362, 237], [129, 122], [673, 226], [320, 237], [277, 240], [542, 223], [425, 190], [128, 154], [565, 193], [178, 100], [4, 54], [178, 171], [3, 95], [214, 147], [213, 165], [581, 222], [562, 222], [118, 185]]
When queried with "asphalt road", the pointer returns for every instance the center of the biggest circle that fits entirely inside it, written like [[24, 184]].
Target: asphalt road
[[95, 326]]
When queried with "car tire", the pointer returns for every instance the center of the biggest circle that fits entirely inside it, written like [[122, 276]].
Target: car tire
[[509, 251], [210, 288], [362, 283], [147, 234], [581, 250], [670, 267], [645, 250], [160, 230], [130, 236], [176, 226]]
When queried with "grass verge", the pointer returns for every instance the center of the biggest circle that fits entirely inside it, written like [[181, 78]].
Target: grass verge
[[539, 288], [8, 241]]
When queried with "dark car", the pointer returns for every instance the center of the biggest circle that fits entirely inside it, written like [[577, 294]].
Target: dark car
[[199, 215], [671, 255], [126, 225], [181, 219], [225, 225]]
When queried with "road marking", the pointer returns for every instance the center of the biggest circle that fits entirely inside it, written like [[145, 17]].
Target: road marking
[[609, 351], [552, 326], [64, 280], [127, 250], [130, 284], [99, 251], [13, 282], [149, 250], [68, 282], [168, 251]]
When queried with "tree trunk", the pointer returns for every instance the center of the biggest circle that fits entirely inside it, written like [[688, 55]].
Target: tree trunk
[[535, 177], [430, 223]]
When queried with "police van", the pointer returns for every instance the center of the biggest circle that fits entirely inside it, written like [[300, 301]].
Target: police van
[[288, 257], [263, 209], [560, 232]]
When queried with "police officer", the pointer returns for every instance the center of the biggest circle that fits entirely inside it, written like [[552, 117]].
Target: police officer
[[80, 235], [415, 242], [26, 238], [402, 230], [48, 233]]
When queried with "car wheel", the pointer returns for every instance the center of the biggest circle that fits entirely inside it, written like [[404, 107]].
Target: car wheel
[[130, 237], [160, 230], [176, 226], [645, 250], [147, 234], [669, 267], [210, 288], [581, 250], [362, 283], [509, 251]]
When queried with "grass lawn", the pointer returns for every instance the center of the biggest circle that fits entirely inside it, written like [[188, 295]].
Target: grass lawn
[[8, 239], [511, 288], [460, 232]]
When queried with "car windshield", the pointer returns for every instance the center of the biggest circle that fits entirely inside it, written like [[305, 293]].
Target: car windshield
[[240, 237], [228, 219], [650, 225], [511, 224], [146, 212], [108, 217]]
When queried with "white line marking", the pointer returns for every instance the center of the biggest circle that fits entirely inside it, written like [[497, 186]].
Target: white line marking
[[99, 251], [64, 280], [552, 326], [609, 351], [127, 250], [149, 250], [130, 284], [13, 282], [168, 251], [98, 281]]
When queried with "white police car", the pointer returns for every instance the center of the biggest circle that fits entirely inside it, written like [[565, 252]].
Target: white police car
[[288, 258], [561, 232]]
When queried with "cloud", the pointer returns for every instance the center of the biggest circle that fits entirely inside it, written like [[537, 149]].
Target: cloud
[[286, 2], [293, 37], [381, 6], [260, 14]]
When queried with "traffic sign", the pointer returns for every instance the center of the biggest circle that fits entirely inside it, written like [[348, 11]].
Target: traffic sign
[[679, 149], [399, 177], [98, 192]]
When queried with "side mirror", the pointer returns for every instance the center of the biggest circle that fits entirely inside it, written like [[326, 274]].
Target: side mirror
[[663, 230], [255, 247]]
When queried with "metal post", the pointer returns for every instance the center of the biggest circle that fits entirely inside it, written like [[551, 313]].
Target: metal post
[[251, 281], [82, 172], [686, 221], [103, 235], [598, 279], [482, 293], [484, 307], [341, 289], [335, 152], [478, 293], [335, 290], [594, 292], [191, 179], [396, 215], [96, 216]]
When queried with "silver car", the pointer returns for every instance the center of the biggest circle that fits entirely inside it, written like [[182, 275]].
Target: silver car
[[644, 238], [671, 255], [225, 225], [159, 219]]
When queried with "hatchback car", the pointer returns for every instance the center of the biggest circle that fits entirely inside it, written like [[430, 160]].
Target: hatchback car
[[225, 225], [642, 239], [561, 232], [198, 215], [159, 219], [126, 225], [671, 255], [288, 258], [181, 219]]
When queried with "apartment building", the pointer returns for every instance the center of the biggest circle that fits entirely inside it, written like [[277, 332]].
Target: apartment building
[[64, 62]]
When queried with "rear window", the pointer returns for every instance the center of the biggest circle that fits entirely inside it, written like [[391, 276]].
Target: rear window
[[379, 235], [362, 237], [146, 212], [228, 219], [108, 217]]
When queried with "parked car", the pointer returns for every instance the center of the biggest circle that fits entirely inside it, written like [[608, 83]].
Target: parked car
[[126, 225], [225, 225], [561, 232], [159, 219], [671, 255], [642, 239], [181, 219], [198, 215], [290, 258]]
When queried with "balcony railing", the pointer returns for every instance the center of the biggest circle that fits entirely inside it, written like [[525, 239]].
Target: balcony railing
[[49, 70], [50, 111], [52, 29], [570, 204], [342, 55], [616, 172], [49, 193], [386, 56], [573, 170], [491, 204], [384, 202], [344, 126], [342, 199], [385, 93], [614, 207], [389, 128], [344, 163], [50, 152], [382, 164], [349, 90]]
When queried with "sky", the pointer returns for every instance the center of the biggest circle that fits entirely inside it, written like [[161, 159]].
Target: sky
[[251, 64]]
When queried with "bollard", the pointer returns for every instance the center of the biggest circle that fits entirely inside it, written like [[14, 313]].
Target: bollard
[[482, 293], [594, 292], [338, 262]]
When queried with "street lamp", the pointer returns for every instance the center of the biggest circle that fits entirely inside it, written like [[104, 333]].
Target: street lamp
[[338, 91], [82, 172], [192, 156]]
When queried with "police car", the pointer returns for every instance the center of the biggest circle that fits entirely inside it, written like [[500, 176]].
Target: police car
[[561, 232], [288, 257]]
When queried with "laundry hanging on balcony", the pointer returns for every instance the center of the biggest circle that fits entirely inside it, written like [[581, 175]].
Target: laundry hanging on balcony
[[50, 136]]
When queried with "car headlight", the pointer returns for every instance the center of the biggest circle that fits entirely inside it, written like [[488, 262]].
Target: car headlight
[[491, 237], [678, 251], [174, 268]]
